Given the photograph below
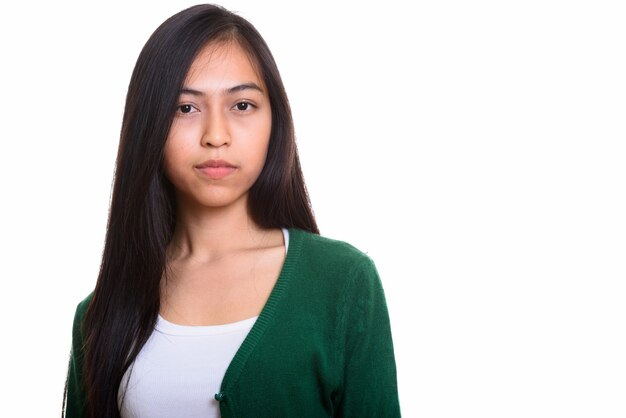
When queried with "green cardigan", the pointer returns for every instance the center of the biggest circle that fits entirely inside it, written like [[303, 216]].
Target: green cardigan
[[321, 346]]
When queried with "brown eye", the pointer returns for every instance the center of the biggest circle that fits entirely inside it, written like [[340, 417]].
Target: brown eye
[[185, 108], [243, 106]]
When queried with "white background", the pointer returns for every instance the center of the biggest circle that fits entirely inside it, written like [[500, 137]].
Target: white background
[[476, 150]]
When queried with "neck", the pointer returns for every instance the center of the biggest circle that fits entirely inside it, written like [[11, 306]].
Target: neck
[[205, 233]]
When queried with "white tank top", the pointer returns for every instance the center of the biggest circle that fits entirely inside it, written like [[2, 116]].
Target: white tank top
[[180, 369]]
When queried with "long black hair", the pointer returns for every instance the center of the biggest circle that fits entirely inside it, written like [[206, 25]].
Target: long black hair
[[126, 300]]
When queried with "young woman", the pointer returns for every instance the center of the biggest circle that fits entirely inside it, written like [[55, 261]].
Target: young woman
[[216, 295]]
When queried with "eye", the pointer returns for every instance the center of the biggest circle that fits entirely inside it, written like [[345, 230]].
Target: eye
[[243, 106], [186, 108]]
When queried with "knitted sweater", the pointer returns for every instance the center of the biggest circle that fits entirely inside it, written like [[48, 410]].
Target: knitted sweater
[[321, 346]]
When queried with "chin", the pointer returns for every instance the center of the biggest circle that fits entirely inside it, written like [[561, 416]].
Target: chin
[[212, 199], [222, 201]]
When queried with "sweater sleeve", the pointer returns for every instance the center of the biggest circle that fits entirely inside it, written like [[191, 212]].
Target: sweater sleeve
[[369, 383], [75, 390]]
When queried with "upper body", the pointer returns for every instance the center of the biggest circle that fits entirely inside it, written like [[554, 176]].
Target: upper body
[[321, 345], [206, 176]]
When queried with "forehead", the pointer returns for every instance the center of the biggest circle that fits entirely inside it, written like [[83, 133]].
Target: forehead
[[224, 62]]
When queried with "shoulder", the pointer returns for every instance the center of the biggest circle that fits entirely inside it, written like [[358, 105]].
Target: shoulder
[[319, 253], [345, 277], [328, 248]]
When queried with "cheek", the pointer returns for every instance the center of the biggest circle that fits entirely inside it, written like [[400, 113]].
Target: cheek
[[252, 140], [261, 150], [174, 157], [181, 139], [265, 130]]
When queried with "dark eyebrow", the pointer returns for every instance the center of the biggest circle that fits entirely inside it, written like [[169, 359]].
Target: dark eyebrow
[[241, 87], [193, 92], [230, 90]]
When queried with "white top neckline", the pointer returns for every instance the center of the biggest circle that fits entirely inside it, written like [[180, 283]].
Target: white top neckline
[[169, 328]]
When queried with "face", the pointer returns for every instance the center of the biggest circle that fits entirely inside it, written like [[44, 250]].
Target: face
[[218, 141]]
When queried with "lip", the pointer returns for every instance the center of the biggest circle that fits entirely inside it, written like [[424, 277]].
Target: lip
[[216, 169]]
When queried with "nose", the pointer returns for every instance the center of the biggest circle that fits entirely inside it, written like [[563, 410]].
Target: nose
[[216, 130]]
